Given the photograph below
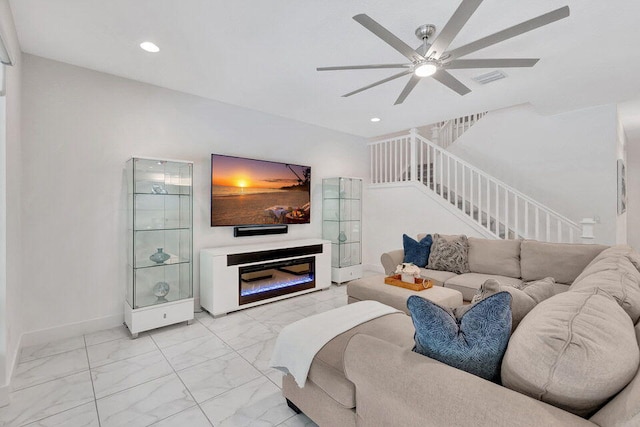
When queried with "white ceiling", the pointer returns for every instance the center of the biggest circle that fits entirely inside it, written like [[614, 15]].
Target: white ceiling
[[263, 54]]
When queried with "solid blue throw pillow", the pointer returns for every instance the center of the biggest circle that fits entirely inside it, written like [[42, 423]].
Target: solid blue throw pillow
[[475, 343], [416, 252]]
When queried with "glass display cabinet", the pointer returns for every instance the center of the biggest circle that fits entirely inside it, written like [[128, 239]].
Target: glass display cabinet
[[341, 224], [160, 251]]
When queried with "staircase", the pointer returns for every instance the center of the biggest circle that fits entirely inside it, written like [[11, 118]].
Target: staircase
[[489, 204], [447, 132]]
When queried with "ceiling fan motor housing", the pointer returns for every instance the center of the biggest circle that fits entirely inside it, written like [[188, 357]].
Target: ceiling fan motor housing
[[423, 32]]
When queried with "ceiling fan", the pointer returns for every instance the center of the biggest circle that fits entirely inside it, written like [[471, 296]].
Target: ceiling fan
[[433, 59]]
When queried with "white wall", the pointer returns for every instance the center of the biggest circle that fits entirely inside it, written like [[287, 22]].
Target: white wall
[[621, 153], [565, 161], [3, 241], [11, 283], [633, 192], [79, 128], [393, 211]]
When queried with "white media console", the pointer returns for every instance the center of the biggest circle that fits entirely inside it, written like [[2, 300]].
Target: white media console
[[243, 276]]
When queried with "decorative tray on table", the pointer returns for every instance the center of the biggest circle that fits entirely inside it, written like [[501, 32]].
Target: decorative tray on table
[[419, 284]]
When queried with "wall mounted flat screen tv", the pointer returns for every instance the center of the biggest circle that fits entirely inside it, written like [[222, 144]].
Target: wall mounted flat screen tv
[[256, 192]]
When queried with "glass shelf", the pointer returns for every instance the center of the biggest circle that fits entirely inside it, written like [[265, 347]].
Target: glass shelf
[[341, 218], [345, 254], [151, 193], [161, 211], [176, 276], [151, 264], [160, 219], [160, 229]]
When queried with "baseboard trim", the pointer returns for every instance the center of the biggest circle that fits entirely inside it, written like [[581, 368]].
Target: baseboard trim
[[69, 330], [372, 267], [4, 395], [44, 336], [12, 368]]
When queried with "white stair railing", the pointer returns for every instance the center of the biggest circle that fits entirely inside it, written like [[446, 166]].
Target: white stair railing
[[497, 207], [447, 132]]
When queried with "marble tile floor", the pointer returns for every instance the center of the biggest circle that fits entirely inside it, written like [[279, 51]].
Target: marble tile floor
[[213, 372]]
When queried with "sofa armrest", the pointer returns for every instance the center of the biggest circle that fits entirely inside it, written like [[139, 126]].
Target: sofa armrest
[[390, 260], [395, 386]]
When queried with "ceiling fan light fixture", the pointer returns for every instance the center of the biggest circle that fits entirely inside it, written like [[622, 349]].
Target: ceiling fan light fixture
[[425, 69]]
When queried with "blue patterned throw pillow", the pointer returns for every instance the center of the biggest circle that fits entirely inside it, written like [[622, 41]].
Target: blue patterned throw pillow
[[416, 252], [475, 343]]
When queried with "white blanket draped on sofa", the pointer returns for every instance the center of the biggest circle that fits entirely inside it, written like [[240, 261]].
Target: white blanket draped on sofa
[[298, 343]]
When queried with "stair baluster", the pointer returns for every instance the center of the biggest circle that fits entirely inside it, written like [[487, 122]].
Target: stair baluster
[[488, 203]]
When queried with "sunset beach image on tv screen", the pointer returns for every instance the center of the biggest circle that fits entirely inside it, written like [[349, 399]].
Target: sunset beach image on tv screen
[[252, 192]]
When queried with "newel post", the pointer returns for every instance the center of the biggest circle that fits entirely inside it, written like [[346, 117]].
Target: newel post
[[435, 134], [587, 230], [413, 156]]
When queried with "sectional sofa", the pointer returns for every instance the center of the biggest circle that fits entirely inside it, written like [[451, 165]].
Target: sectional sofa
[[572, 361], [511, 262]]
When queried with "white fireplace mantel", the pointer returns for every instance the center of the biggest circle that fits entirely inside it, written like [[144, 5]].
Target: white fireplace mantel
[[220, 270]]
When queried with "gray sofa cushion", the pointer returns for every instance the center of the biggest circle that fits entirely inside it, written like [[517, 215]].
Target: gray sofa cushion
[[327, 370], [624, 409], [522, 300], [437, 277], [449, 253], [390, 260], [540, 290], [468, 284], [575, 351], [615, 274], [606, 260], [562, 261], [489, 256]]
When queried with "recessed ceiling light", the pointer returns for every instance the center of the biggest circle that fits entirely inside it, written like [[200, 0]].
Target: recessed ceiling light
[[375, 119], [149, 47]]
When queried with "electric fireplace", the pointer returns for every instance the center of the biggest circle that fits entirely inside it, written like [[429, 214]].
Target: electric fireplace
[[241, 276], [267, 280]]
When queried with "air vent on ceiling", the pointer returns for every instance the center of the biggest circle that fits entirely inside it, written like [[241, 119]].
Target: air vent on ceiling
[[483, 79]]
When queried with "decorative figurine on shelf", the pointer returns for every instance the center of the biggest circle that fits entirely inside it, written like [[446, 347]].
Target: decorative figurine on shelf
[[342, 237], [161, 290], [408, 272], [159, 257], [158, 189]]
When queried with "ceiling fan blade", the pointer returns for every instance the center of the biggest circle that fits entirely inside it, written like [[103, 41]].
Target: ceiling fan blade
[[491, 63], [388, 37], [451, 82], [508, 33], [453, 27], [388, 79], [413, 81], [363, 67]]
